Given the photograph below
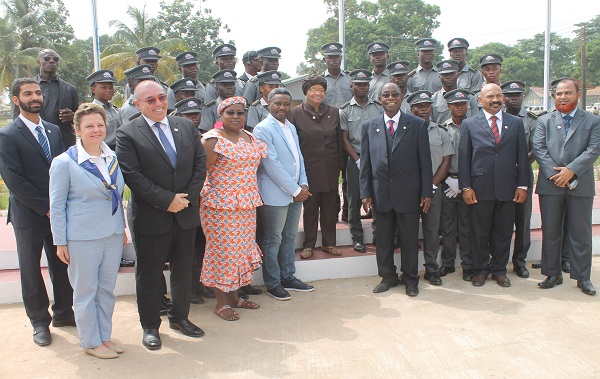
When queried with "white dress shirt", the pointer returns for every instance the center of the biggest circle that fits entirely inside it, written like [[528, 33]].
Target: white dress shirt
[[32, 125], [287, 132], [102, 162], [164, 125]]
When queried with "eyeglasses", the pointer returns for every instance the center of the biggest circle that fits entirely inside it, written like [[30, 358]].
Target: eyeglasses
[[152, 100], [394, 95], [48, 58]]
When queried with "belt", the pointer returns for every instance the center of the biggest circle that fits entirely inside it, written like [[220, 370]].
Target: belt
[[453, 175]]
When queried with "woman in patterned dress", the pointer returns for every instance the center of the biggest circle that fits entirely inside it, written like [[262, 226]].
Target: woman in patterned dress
[[228, 208]]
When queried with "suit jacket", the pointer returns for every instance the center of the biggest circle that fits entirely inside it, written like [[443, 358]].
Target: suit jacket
[[80, 204], [494, 172], [577, 150], [400, 182], [277, 173], [24, 168], [153, 181]]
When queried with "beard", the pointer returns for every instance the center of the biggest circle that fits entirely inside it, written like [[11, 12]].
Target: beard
[[566, 108], [29, 107]]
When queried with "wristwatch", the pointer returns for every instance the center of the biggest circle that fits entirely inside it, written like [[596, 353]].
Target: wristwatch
[[466, 189]]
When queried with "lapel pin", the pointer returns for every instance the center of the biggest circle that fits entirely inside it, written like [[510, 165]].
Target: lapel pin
[[377, 130], [175, 129], [404, 127], [559, 126], [49, 131], [505, 127], [314, 117]]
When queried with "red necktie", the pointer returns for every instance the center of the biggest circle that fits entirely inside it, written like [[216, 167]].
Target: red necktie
[[391, 127], [494, 128]]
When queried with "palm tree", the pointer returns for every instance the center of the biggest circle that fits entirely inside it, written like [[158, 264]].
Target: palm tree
[[146, 31]]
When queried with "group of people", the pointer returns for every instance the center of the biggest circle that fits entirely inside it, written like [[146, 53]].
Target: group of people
[[220, 174]]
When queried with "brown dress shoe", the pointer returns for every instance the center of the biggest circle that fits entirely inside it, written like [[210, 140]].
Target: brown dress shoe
[[332, 250], [306, 253], [478, 280], [502, 280]]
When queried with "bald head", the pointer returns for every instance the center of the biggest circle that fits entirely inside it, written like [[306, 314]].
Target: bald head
[[150, 98], [491, 98], [48, 61]]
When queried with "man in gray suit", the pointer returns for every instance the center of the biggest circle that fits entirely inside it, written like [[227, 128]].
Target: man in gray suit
[[566, 144]]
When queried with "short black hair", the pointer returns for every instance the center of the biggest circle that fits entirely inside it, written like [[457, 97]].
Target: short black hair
[[18, 83], [278, 91]]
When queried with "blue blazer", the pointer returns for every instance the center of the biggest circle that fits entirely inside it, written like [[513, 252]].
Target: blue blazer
[[80, 205], [494, 172], [276, 173], [397, 179]]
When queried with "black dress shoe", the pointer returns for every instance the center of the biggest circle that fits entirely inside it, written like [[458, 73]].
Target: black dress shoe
[[359, 247], [206, 292], [478, 280], [412, 291], [127, 263], [367, 216], [468, 275], [396, 242], [433, 278], [42, 336], [384, 286], [251, 290], [586, 287], [521, 271], [445, 270], [537, 264], [151, 339], [195, 298], [566, 267], [65, 321], [551, 281], [165, 305], [186, 327]]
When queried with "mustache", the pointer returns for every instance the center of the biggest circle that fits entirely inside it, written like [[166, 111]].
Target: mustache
[[496, 103]]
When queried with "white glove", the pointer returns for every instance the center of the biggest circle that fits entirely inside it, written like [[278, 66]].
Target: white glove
[[450, 193], [453, 183], [358, 163], [434, 187]]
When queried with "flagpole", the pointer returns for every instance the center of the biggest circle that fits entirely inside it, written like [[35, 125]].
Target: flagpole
[[95, 40], [342, 37], [547, 55]]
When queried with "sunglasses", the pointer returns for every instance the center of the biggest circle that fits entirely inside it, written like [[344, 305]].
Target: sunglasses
[[152, 100], [388, 95], [55, 59]]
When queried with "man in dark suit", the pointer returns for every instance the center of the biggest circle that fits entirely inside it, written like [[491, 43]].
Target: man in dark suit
[[27, 146], [60, 97], [396, 181], [566, 144], [164, 164], [493, 175]]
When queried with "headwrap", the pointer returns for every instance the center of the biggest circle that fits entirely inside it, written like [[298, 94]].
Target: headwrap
[[230, 101], [312, 80]]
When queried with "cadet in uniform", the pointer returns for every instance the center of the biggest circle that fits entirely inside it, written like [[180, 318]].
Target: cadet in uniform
[[468, 77], [190, 108], [455, 217], [134, 77], [225, 84], [252, 66], [102, 86], [440, 146], [448, 71], [149, 56], [188, 66], [269, 57], [184, 89], [425, 76], [225, 60], [259, 110], [338, 80], [399, 75], [378, 54], [352, 116], [491, 68]]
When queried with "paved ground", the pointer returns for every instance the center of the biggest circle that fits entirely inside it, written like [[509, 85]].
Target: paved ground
[[343, 330]]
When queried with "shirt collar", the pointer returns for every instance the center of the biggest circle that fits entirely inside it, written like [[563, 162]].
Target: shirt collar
[[488, 115], [40, 79], [249, 75], [31, 125], [396, 118], [98, 102], [151, 123], [263, 102], [83, 155], [572, 114]]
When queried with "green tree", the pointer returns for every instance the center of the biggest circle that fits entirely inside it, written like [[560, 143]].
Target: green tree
[[562, 55], [200, 31], [592, 51], [398, 23]]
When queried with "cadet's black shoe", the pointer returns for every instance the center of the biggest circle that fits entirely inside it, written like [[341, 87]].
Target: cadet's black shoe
[[42, 336], [551, 281], [586, 287]]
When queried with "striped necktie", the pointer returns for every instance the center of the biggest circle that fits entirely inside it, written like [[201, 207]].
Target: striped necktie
[[391, 127], [567, 121], [495, 130], [43, 142]]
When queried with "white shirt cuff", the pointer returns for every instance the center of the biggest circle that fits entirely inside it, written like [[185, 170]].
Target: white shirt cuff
[[296, 192]]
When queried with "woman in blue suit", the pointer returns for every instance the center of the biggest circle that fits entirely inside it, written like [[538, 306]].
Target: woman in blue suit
[[88, 226]]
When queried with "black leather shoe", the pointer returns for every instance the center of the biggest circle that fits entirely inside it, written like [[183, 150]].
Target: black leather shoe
[[42, 336], [384, 286], [186, 327], [359, 247], [65, 321], [396, 242], [367, 216], [566, 267], [537, 264], [445, 270], [195, 298], [151, 339], [586, 287], [412, 291], [467, 275], [251, 290], [521, 271], [165, 305], [127, 263], [206, 292], [551, 281], [433, 278]]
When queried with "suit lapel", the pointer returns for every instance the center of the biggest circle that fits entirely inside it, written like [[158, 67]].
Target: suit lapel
[[145, 129], [558, 123], [31, 139], [505, 126], [177, 137], [401, 130], [93, 178], [577, 120], [482, 122], [53, 140], [280, 132], [380, 133]]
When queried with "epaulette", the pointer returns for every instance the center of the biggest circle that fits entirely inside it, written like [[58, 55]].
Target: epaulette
[[535, 116], [443, 126], [211, 81], [412, 73], [256, 102], [253, 79], [472, 69], [135, 115], [174, 113], [210, 103], [344, 105], [377, 101], [130, 101]]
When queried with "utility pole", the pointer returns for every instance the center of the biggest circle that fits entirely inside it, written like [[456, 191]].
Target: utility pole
[[583, 70]]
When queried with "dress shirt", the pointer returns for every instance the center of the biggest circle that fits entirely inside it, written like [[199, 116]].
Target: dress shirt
[[102, 162], [396, 119], [287, 132], [572, 114], [164, 125], [32, 125]]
